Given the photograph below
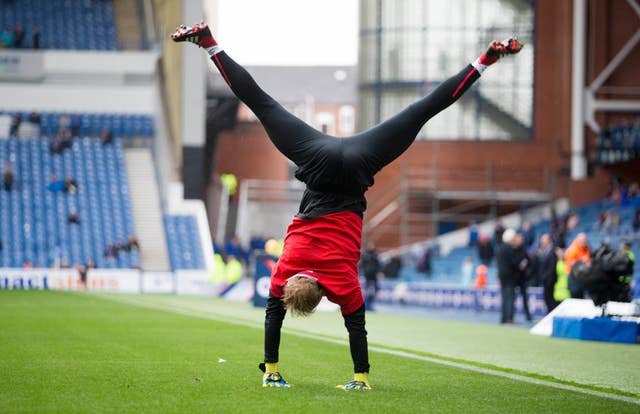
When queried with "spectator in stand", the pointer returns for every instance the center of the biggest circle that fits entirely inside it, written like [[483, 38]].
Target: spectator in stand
[[16, 120], [391, 270], [74, 217], [529, 234], [19, 36], [369, 268], [119, 246], [8, 37], [634, 191], [610, 221], [1, 246], [485, 250], [110, 252], [27, 265], [233, 270], [70, 185], [424, 264], [106, 137], [578, 251], [558, 234], [55, 185], [467, 272], [34, 118], [571, 221], [74, 125], [479, 285], [547, 270], [636, 221], [132, 244], [497, 233], [82, 271], [55, 147], [473, 234], [233, 248], [65, 139], [35, 37], [8, 176]]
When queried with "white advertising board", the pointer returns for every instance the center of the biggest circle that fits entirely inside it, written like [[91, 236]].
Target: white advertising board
[[98, 280], [39, 279], [114, 280], [157, 282], [194, 282]]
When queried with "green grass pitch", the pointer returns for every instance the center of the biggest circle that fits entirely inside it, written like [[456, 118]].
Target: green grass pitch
[[73, 352]]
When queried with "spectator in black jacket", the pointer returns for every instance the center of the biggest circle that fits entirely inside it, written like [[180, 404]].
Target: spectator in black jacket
[[74, 217], [370, 267], [507, 269], [636, 221], [8, 176], [485, 250], [19, 36], [547, 270], [523, 263], [35, 36]]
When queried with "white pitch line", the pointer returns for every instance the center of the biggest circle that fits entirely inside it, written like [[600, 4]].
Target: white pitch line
[[404, 354]]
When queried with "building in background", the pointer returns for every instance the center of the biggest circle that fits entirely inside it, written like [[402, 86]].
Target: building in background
[[408, 48], [513, 140]]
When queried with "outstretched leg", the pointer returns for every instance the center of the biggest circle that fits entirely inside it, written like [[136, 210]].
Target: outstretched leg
[[383, 143], [294, 138]]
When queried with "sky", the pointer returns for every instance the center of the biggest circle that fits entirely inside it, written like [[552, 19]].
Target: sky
[[288, 32]]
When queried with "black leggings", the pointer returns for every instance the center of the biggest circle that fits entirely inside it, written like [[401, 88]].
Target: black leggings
[[316, 153], [354, 322]]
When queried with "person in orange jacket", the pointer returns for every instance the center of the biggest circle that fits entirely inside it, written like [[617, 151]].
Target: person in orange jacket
[[479, 285], [578, 251]]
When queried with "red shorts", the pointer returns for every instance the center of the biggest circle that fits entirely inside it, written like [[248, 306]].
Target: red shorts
[[328, 249]]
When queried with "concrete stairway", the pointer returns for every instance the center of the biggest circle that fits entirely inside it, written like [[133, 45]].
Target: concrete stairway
[[147, 212], [126, 17]]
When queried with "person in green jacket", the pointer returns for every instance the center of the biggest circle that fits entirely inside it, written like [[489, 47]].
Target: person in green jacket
[[561, 288]]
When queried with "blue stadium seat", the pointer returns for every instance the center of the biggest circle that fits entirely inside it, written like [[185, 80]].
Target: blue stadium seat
[[33, 223], [183, 242], [64, 24]]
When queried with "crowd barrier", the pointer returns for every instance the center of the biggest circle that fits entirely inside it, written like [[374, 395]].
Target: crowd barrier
[[426, 294], [182, 282], [199, 283]]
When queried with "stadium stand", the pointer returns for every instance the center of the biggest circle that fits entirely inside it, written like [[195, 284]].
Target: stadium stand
[[79, 25], [92, 124], [590, 220], [619, 143], [184, 247], [34, 223]]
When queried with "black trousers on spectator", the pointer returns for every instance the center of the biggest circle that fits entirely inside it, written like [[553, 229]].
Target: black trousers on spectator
[[522, 286], [549, 300], [508, 292]]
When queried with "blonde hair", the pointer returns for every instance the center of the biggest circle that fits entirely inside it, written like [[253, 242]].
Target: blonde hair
[[301, 295]]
